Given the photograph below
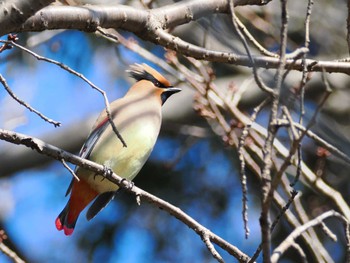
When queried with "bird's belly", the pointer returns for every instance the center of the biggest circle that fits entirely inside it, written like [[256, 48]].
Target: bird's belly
[[124, 161]]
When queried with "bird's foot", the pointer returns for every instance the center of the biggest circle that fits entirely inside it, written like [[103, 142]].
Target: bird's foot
[[107, 172], [128, 184]]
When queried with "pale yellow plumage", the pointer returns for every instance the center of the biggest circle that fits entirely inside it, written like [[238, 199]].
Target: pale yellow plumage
[[137, 117], [133, 124]]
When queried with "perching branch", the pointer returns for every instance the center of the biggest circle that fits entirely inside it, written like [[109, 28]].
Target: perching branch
[[234, 126], [59, 154]]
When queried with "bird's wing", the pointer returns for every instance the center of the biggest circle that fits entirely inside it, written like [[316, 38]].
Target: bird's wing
[[93, 138], [89, 145], [101, 202]]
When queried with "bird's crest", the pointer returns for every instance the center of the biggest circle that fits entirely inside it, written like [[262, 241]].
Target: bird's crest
[[145, 72]]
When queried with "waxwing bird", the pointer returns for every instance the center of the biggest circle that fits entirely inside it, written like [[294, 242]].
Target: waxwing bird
[[137, 117]]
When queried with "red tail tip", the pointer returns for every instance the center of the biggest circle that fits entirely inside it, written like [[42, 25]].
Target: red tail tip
[[58, 224], [68, 231]]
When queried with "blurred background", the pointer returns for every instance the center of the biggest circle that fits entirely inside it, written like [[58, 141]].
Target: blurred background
[[190, 166]]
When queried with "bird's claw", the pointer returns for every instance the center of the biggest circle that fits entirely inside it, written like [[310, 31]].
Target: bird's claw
[[107, 172], [129, 185]]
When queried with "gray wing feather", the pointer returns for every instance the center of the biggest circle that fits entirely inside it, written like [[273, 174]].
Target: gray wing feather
[[88, 146], [100, 202]]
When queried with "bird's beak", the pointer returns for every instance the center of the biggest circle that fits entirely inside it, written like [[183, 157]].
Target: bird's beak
[[168, 92], [172, 90]]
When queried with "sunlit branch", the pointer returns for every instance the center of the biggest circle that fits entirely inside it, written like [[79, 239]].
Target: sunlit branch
[[59, 154], [11, 254], [150, 25], [282, 248]]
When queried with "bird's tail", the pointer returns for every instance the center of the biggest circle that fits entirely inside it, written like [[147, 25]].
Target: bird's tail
[[62, 222], [82, 194]]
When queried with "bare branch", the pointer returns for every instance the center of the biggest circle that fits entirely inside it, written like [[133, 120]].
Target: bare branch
[[242, 157], [211, 248], [13, 95], [79, 75], [267, 188], [317, 139], [309, 236], [150, 25], [282, 248], [69, 169], [305, 75], [12, 255], [301, 252], [15, 12], [59, 154], [113, 36], [249, 36], [328, 232], [275, 222], [257, 78]]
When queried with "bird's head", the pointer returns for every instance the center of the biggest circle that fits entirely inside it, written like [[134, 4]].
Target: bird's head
[[151, 80]]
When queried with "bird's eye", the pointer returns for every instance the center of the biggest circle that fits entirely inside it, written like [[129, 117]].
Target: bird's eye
[[159, 84]]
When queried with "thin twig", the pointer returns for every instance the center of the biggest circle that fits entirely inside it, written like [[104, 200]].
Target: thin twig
[[298, 172], [296, 141], [241, 157], [284, 209], [320, 105], [11, 254], [317, 139], [293, 195], [249, 36], [305, 73], [206, 239], [267, 189], [282, 248], [69, 169], [113, 36], [310, 238], [7, 46], [26, 105], [79, 75], [319, 251], [328, 232], [300, 251], [296, 145], [257, 78], [291, 123]]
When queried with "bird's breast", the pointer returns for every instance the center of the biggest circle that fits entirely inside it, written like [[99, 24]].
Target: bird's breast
[[140, 134]]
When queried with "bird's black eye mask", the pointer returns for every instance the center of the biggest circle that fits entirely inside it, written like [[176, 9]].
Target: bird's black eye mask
[[143, 74]]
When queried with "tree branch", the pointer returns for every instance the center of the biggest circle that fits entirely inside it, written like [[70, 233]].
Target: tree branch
[[11, 254], [59, 154], [13, 13], [278, 252], [150, 25]]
